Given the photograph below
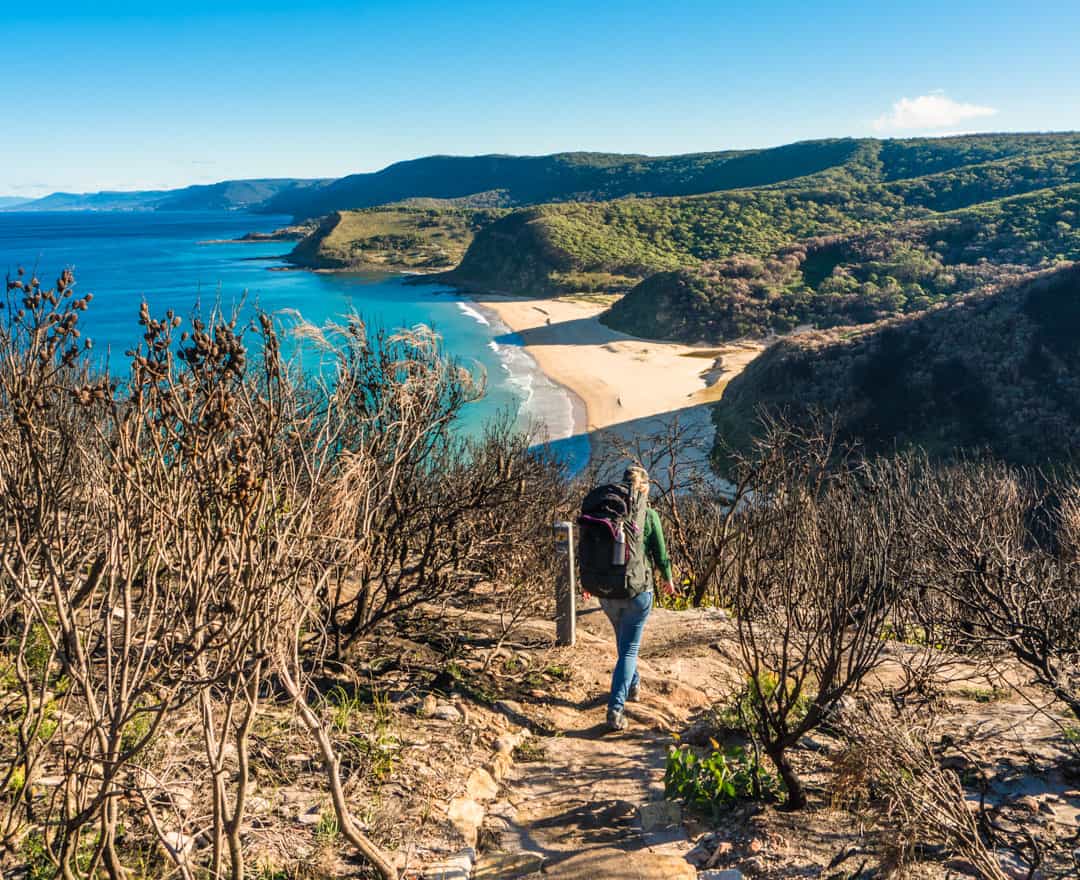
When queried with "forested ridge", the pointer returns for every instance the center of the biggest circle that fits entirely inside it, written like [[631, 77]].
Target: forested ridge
[[997, 370], [527, 180], [898, 226], [858, 277]]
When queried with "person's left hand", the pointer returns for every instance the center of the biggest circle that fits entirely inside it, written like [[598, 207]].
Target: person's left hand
[[668, 587]]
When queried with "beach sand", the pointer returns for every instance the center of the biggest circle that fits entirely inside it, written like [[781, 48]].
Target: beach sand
[[628, 385]]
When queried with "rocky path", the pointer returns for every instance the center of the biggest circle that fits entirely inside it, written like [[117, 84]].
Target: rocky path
[[589, 801], [579, 802]]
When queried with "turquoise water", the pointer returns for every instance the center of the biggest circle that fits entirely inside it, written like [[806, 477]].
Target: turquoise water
[[123, 258]]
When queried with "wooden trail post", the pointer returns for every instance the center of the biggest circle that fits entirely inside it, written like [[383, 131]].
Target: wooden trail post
[[566, 587]]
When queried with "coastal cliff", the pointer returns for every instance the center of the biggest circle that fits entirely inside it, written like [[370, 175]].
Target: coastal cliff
[[997, 370], [392, 238]]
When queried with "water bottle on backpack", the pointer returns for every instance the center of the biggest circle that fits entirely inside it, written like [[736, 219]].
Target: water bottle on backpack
[[618, 545]]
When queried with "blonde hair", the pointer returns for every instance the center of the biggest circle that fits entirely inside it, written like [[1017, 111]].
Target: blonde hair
[[638, 479]]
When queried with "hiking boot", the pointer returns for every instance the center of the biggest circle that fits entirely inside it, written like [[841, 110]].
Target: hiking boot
[[634, 694], [616, 721]]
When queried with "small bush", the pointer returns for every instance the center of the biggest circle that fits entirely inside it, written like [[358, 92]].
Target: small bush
[[327, 831], [744, 712], [712, 783], [530, 751]]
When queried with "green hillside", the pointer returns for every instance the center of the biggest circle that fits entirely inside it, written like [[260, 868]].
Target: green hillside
[[592, 177], [397, 237], [615, 245], [858, 277], [528, 180], [998, 369]]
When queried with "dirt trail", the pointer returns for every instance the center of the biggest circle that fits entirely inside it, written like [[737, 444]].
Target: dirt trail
[[591, 802], [580, 803]]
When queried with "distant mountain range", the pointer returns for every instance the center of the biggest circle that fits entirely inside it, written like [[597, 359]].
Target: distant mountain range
[[514, 180], [12, 201], [521, 181], [229, 195]]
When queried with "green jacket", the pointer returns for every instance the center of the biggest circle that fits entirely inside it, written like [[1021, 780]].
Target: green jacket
[[655, 548]]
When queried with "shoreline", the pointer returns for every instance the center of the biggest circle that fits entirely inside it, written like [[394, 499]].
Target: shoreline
[[624, 386], [578, 408]]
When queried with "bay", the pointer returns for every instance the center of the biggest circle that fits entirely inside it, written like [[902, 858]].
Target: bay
[[167, 259]]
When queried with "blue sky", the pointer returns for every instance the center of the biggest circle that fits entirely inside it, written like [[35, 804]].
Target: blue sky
[[112, 96]]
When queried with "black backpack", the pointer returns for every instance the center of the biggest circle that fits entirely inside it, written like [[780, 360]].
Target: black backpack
[[610, 563]]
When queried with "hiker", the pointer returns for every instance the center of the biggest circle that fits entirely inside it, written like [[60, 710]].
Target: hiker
[[621, 542]]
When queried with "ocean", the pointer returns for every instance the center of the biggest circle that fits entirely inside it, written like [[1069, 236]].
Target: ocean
[[166, 259]]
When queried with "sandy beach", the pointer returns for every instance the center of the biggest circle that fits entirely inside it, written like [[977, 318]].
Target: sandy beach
[[626, 384]]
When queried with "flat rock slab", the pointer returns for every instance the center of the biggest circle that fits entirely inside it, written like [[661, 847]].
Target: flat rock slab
[[481, 786], [456, 867], [466, 815], [617, 864], [507, 866], [658, 815], [668, 842]]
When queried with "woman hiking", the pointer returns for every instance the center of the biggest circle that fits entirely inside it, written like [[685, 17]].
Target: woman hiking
[[618, 524]]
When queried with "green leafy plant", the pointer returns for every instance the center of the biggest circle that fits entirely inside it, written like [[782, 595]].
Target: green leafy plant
[[39, 650], [681, 600], [9, 680], [559, 672], [708, 784], [910, 635], [541, 677], [138, 727], [513, 665], [470, 685], [17, 781], [49, 721], [36, 858]]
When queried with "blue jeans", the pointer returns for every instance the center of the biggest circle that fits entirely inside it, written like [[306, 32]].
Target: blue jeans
[[628, 618]]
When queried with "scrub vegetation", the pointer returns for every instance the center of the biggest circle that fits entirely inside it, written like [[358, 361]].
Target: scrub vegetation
[[394, 238], [992, 372], [194, 558]]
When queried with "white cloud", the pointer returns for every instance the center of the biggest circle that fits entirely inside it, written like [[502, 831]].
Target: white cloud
[[932, 111]]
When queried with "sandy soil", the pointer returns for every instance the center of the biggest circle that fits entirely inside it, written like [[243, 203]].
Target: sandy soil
[[620, 379]]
